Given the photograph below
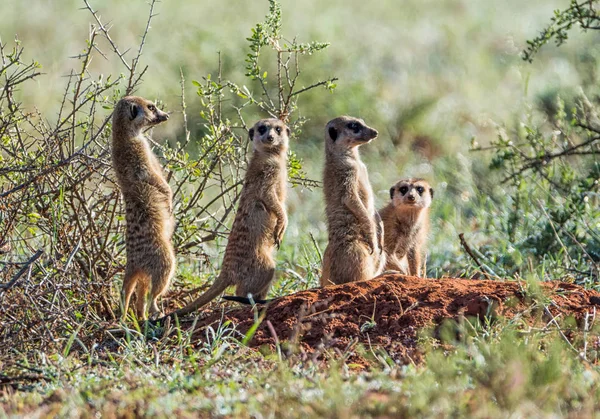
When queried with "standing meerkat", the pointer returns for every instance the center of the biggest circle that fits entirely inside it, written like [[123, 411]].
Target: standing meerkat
[[259, 223], [148, 204], [355, 248], [406, 225]]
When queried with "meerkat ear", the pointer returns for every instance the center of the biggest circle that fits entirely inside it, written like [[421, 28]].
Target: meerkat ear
[[133, 111], [431, 192], [391, 193], [333, 133], [288, 132], [251, 134]]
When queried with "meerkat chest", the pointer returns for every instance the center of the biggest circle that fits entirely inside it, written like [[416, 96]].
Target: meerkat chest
[[408, 226], [364, 187]]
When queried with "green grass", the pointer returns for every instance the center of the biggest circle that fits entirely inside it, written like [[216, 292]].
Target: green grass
[[497, 371]]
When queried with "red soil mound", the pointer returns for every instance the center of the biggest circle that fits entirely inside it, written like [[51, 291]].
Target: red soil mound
[[390, 310]]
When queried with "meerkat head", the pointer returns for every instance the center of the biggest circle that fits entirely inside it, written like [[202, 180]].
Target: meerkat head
[[270, 135], [411, 193], [346, 132], [137, 113]]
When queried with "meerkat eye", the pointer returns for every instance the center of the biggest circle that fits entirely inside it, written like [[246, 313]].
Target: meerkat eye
[[262, 129], [354, 126], [420, 189], [403, 190], [278, 130], [151, 108]]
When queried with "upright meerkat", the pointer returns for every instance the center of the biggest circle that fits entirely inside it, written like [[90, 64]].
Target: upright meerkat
[[406, 225], [355, 248], [260, 221], [148, 204]]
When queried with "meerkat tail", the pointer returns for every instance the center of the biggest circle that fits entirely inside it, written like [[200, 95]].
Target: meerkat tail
[[244, 300], [213, 292]]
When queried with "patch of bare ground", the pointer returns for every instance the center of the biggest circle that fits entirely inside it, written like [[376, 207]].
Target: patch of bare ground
[[390, 310]]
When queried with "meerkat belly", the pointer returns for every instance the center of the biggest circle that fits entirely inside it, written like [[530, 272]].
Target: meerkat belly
[[145, 204], [404, 239], [258, 226], [251, 239], [148, 228], [344, 226]]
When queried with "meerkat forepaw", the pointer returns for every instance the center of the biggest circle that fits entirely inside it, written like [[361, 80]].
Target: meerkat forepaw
[[278, 233], [279, 238], [370, 244]]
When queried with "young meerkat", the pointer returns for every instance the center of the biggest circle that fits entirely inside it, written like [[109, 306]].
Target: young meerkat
[[355, 248], [259, 223], [406, 225], [148, 204]]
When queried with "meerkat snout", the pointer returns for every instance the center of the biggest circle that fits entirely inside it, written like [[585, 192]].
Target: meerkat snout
[[162, 116]]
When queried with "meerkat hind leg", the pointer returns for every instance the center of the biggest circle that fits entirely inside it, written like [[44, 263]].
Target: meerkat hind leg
[[245, 288], [129, 285], [160, 284], [141, 294]]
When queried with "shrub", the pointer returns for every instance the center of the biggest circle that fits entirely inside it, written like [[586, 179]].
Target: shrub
[[61, 212]]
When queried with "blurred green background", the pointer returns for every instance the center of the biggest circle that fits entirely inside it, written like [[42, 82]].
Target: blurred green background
[[431, 76]]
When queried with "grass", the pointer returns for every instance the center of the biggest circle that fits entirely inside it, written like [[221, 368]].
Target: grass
[[497, 371], [434, 78]]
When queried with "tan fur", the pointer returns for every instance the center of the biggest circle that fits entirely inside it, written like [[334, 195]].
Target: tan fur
[[260, 221], [355, 248], [406, 225], [148, 205]]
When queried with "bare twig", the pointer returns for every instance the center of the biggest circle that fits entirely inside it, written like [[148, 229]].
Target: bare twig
[[24, 269], [467, 248]]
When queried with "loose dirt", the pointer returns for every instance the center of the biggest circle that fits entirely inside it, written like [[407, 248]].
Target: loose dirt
[[390, 311]]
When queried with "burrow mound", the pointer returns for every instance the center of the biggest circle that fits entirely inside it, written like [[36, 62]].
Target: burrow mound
[[390, 310]]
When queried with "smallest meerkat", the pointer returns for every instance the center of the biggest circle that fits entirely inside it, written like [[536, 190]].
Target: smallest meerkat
[[406, 226]]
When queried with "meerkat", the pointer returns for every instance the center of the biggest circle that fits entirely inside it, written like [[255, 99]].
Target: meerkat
[[148, 205], [406, 225], [355, 248], [260, 221]]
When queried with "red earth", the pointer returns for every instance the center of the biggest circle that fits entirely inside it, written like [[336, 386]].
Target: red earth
[[390, 311]]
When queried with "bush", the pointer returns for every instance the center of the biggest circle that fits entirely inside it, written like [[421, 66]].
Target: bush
[[62, 215]]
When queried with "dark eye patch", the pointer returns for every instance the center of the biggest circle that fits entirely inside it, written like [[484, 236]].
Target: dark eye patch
[[403, 190], [420, 189], [354, 126], [262, 129], [151, 108]]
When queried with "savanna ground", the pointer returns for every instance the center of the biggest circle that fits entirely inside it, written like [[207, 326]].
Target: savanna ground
[[510, 145]]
